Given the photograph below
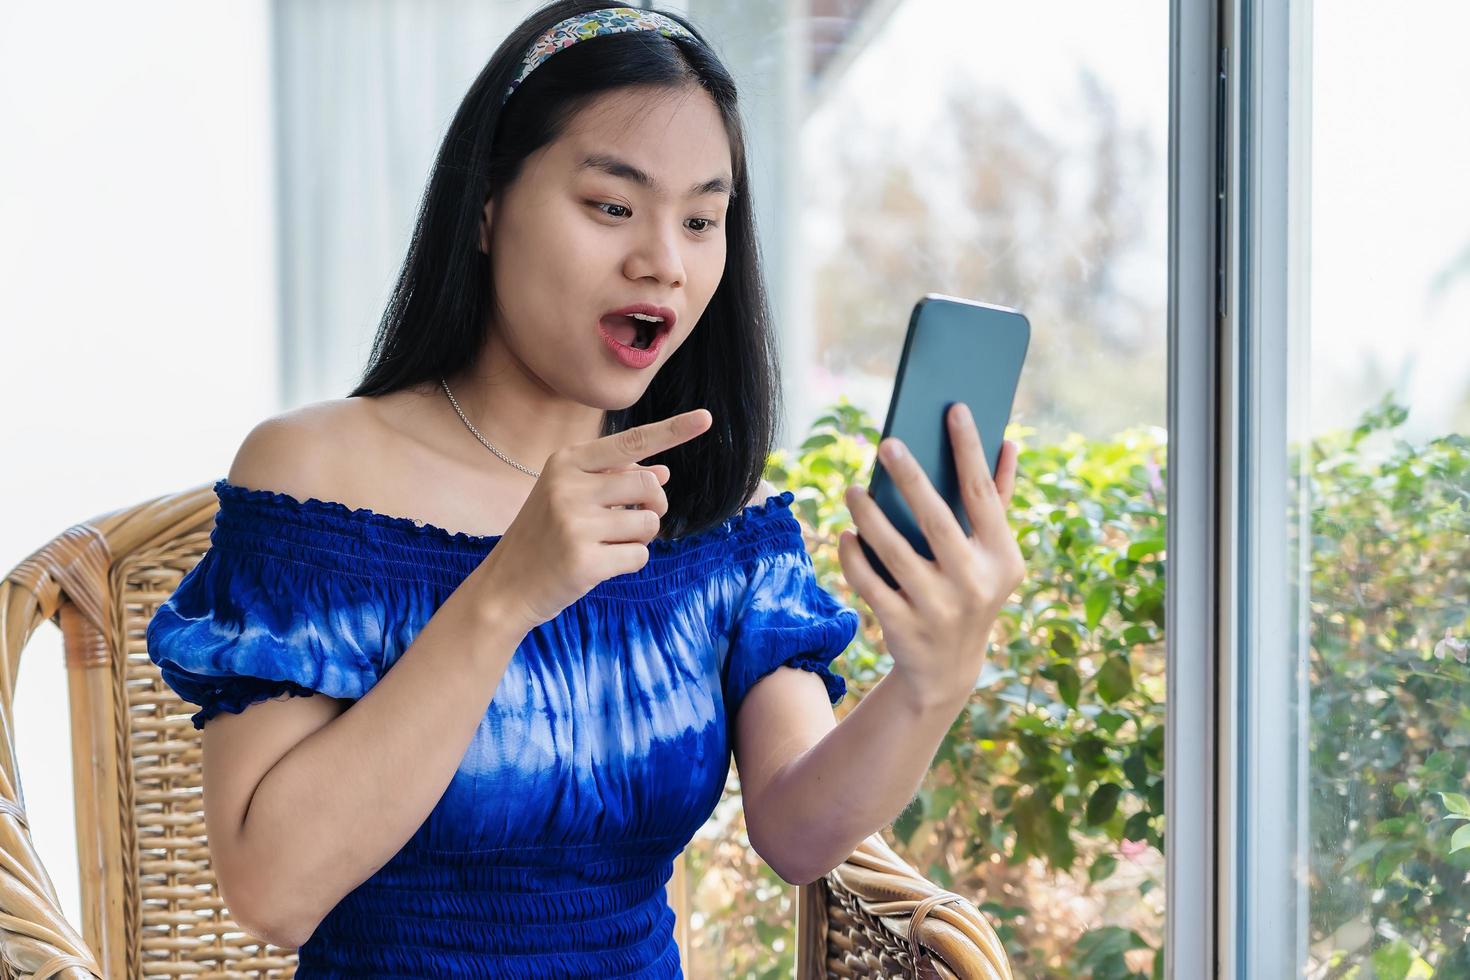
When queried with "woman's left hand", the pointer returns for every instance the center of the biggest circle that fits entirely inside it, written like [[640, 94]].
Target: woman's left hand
[[937, 624]]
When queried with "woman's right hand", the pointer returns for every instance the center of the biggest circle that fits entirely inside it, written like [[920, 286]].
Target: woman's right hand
[[573, 531]]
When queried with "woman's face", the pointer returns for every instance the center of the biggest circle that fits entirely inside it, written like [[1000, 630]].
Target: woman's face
[[578, 234]]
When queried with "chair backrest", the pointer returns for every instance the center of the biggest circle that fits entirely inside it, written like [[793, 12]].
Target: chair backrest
[[150, 907], [148, 894]]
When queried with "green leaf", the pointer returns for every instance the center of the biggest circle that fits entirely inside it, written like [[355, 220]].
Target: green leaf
[[1155, 796], [1391, 827], [908, 821], [1153, 739], [1069, 684], [818, 441], [1102, 868], [1138, 634], [939, 804], [1097, 947], [1135, 767], [1392, 961], [1003, 911], [1103, 803], [1031, 827], [1387, 864], [1091, 751], [1439, 761], [1457, 803], [1098, 601], [1114, 680], [1138, 549], [768, 932], [1365, 851], [1060, 850], [1136, 828], [1461, 840]]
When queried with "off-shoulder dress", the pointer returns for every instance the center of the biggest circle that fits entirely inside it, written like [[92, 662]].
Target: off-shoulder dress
[[605, 747]]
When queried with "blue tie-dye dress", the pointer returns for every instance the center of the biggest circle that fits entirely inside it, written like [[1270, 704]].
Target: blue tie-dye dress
[[603, 751]]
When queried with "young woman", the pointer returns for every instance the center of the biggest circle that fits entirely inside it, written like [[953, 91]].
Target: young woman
[[524, 720]]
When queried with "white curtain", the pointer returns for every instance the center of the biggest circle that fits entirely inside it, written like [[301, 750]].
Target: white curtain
[[363, 91]]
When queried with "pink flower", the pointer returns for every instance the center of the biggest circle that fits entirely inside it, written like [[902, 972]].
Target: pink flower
[[1451, 647], [1130, 849], [1151, 467]]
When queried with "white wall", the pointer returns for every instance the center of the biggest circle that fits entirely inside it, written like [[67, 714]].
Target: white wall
[[137, 294]]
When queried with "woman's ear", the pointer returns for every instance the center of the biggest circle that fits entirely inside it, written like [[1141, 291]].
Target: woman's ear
[[485, 227]]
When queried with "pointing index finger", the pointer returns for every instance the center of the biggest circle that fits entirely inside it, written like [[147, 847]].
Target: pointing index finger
[[643, 441]]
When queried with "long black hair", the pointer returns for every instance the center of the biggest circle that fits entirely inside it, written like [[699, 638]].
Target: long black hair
[[437, 316]]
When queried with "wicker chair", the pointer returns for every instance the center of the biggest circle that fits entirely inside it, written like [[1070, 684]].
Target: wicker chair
[[149, 905]]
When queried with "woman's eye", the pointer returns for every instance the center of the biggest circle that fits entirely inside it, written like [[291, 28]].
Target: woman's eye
[[708, 223]]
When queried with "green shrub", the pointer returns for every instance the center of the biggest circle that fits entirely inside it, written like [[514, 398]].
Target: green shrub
[[1390, 716], [1050, 782], [1059, 755]]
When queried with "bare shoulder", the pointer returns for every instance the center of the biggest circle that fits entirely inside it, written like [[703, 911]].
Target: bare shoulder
[[762, 492], [298, 451]]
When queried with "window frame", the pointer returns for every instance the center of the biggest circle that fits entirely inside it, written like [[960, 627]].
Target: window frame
[[1192, 637], [1236, 757]]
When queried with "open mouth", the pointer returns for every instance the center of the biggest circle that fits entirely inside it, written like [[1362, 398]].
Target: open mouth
[[632, 331]]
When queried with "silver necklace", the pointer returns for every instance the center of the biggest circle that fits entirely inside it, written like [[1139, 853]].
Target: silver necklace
[[476, 431]]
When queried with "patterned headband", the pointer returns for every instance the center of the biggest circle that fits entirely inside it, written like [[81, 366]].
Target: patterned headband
[[609, 20]]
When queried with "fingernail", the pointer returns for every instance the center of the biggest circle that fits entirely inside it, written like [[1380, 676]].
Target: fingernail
[[965, 415], [892, 451]]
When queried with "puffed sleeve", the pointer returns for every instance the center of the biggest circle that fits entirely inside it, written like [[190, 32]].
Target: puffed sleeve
[[244, 626], [786, 616]]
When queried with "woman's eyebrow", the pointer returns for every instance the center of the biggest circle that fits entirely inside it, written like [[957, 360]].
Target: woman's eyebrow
[[615, 167]]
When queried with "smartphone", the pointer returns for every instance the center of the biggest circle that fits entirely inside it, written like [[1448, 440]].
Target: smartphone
[[956, 350]]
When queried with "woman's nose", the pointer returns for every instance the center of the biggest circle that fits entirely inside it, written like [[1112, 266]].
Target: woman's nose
[[658, 254]]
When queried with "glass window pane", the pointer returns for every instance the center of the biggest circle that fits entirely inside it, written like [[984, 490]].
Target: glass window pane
[[1381, 320], [1014, 154]]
